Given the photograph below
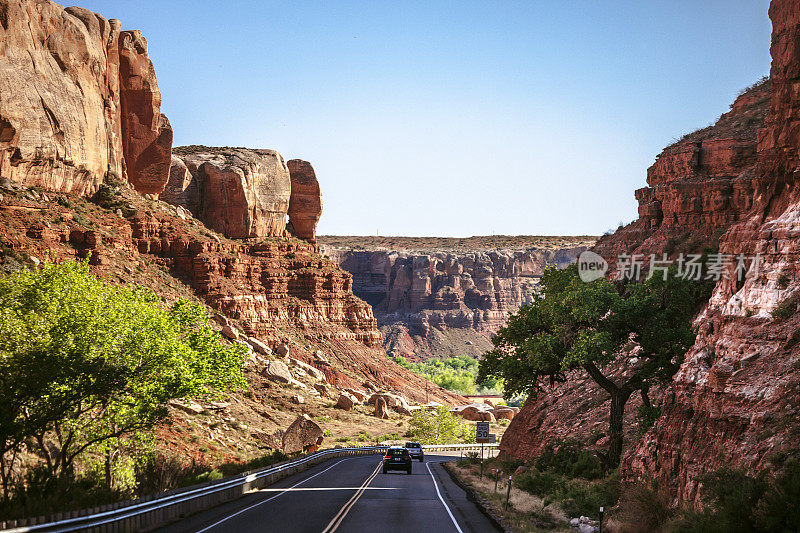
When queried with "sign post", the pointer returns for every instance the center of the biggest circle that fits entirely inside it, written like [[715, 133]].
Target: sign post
[[482, 436]]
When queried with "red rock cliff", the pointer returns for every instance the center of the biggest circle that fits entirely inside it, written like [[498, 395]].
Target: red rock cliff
[[736, 398], [78, 99]]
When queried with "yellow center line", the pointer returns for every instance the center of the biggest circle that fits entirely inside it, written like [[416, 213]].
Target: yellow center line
[[334, 524]]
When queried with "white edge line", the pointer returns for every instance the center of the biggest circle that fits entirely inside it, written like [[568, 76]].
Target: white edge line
[[439, 494], [272, 498]]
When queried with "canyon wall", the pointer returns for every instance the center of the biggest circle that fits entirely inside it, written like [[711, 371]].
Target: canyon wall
[[80, 105], [735, 400], [421, 296], [78, 100]]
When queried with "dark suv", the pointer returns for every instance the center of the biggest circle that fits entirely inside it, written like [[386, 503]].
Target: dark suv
[[397, 458], [415, 450]]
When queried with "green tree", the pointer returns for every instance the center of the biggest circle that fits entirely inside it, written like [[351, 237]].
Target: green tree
[[440, 426], [572, 324], [83, 362]]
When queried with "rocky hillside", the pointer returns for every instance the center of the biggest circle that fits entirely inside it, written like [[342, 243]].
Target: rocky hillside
[[445, 297], [735, 400], [87, 170]]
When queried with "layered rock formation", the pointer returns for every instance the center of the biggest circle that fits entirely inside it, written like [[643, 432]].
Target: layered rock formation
[[305, 203], [240, 192], [698, 186], [78, 100], [414, 292], [735, 400]]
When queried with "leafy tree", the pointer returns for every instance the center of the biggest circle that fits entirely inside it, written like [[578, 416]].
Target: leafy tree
[[572, 324], [83, 362], [440, 426]]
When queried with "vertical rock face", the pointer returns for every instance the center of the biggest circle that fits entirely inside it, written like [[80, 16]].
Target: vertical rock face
[[305, 203], [147, 133], [70, 82], [699, 186], [413, 293], [736, 398], [242, 193]]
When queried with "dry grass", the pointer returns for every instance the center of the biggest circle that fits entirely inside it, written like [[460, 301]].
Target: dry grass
[[526, 513]]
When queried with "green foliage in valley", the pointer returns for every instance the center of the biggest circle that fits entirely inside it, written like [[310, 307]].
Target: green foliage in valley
[[457, 374], [440, 426], [572, 324], [87, 369]]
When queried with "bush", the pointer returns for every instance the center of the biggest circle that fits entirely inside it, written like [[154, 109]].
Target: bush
[[644, 507], [440, 427], [646, 417], [779, 508], [787, 308], [568, 458]]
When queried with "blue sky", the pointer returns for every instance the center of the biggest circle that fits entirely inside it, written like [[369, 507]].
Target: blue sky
[[454, 118]]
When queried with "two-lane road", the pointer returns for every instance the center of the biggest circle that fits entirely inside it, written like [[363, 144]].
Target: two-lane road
[[350, 495]]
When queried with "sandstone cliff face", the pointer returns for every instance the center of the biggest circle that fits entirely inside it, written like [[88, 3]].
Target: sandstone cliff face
[[305, 203], [78, 99], [698, 186], [239, 192], [736, 398], [467, 291]]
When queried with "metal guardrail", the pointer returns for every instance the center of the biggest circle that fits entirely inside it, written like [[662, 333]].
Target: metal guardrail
[[154, 511]]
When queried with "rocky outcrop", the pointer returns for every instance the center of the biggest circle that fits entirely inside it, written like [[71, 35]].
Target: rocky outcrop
[[305, 203], [735, 400], [146, 132], [78, 100], [242, 193], [413, 293], [697, 187]]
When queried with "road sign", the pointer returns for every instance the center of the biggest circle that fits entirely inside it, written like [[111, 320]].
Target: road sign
[[492, 438], [482, 432]]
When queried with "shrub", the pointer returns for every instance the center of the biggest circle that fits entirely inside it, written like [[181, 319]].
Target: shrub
[[568, 458], [646, 417], [787, 307]]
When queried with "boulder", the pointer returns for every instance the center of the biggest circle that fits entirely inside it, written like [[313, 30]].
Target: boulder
[[394, 401], [484, 416], [257, 345], [381, 409], [230, 332], [360, 396], [188, 407], [277, 371], [282, 349], [345, 401], [503, 413], [471, 413], [301, 435], [305, 202], [308, 369], [242, 193]]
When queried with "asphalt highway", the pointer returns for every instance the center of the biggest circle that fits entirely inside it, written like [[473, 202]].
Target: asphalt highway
[[346, 496]]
